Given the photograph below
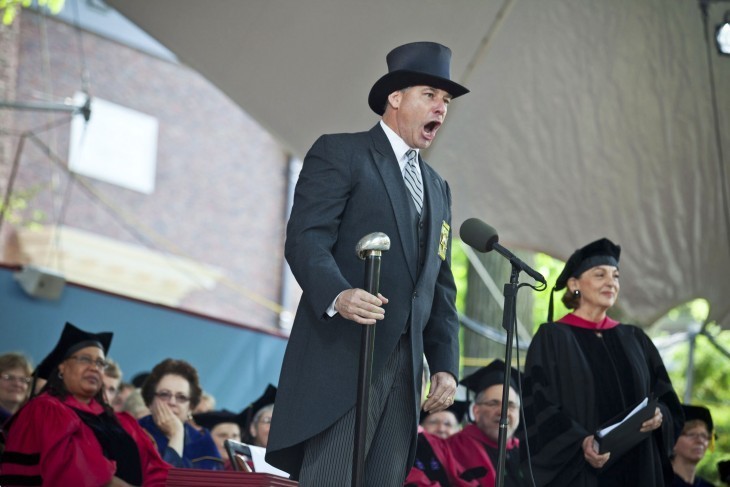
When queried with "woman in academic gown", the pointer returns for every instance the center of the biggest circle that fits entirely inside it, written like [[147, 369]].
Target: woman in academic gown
[[171, 392], [69, 435], [586, 369]]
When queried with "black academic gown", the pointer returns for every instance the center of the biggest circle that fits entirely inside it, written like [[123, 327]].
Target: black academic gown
[[575, 382]]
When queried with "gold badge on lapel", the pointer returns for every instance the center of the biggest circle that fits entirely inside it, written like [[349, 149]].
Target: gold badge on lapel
[[444, 240]]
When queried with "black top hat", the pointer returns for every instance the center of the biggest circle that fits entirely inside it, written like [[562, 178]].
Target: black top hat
[[458, 408], [72, 339], [211, 419], [599, 252], [417, 63], [701, 413], [490, 375]]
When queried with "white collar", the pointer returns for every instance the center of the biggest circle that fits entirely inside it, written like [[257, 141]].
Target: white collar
[[400, 148]]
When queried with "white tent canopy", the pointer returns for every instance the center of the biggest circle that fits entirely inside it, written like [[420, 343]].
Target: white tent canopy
[[586, 119]]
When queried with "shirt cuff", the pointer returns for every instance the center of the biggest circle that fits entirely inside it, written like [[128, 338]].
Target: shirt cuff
[[331, 311]]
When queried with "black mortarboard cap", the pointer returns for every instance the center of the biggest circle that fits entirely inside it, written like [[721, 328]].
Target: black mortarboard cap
[[268, 397], [211, 419], [488, 376], [459, 408], [72, 339], [139, 379], [599, 252], [698, 412], [723, 468]]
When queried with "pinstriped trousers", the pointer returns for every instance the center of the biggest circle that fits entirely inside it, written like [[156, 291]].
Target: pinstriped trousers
[[328, 456]]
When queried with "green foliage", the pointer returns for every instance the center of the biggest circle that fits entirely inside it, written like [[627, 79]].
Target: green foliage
[[551, 269], [460, 269], [11, 8], [17, 210]]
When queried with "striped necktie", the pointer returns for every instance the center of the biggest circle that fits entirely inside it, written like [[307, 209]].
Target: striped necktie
[[412, 177]]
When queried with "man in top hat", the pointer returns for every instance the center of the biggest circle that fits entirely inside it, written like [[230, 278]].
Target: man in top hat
[[693, 442], [352, 185], [476, 446]]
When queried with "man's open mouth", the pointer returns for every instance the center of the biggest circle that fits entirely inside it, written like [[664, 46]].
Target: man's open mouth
[[432, 127]]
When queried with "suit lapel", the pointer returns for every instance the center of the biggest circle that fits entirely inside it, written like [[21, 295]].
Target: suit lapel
[[387, 165]]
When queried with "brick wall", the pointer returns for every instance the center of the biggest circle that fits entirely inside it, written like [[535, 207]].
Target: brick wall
[[8, 72], [221, 179]]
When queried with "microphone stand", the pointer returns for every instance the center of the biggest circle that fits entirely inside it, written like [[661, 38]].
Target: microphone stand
[[508, 323]]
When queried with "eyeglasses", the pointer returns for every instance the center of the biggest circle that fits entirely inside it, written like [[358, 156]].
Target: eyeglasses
[[87, 361], [704, 437], [15, 378], [495, 403], [167, 396]]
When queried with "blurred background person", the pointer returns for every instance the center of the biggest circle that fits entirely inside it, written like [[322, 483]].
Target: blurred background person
[[68, 435], [586, 369], [476, 447], [112, 378], [223, 425], [138, 380], [207, 403], [171, 392], [445, 423], [723, 469], [257, 418], [435, 464], [693, 442], [125, 389], [134, 405], [15, 379]]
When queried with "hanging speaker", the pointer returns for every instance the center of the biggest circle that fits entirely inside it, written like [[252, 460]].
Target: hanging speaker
[[41, 283]]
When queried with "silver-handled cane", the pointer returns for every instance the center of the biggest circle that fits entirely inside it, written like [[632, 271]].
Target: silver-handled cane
[[370, 248]]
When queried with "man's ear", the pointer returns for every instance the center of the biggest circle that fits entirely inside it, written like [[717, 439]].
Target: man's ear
[[395, 98]]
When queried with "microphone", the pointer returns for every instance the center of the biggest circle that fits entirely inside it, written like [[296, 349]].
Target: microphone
[[484, 238]]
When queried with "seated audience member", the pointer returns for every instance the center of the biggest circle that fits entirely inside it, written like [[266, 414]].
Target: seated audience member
[[445, 423], [112, 378], [435, 464], [257, 418], [68, 435], [723, 469], [207, 403], [125, 389], [15, 381], [477, 444], [171, 392], [691, 446], [223, 425], [134, 405]]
